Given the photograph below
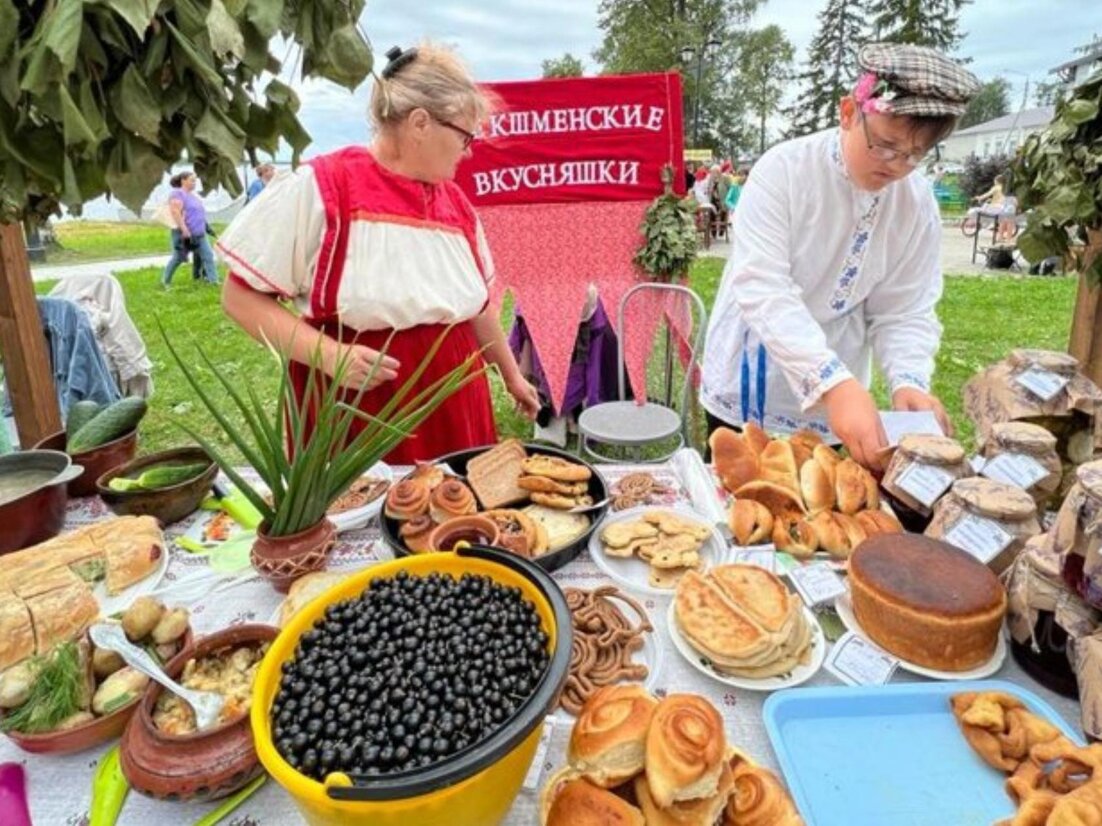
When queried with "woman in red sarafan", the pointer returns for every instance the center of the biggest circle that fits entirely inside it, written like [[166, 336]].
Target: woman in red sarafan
[[377, 243]]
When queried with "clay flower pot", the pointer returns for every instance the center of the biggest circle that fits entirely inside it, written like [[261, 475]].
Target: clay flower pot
[[202, 766], [474, 530], [283, 559]]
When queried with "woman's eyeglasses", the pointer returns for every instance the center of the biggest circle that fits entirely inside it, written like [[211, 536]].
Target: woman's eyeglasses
[[889, 155], [468, 137]]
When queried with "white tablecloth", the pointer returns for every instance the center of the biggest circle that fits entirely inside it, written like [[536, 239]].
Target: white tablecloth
[[60, 787]]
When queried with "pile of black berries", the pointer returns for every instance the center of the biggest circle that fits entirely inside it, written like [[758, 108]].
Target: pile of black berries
[[412, 671]]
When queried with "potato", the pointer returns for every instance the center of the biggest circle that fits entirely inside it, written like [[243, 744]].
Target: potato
[[167, 651], [105, 663], [120, 688], [74, 720], [16, 682], [141, 618], [171, 626]]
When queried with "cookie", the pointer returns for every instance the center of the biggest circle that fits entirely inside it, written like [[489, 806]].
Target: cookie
[[622, 534], [666, 579], [672, 524], [668, 560], [555, 468], [554, 500]]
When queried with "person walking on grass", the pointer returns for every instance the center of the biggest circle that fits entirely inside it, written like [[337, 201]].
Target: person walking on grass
[[190, 217]]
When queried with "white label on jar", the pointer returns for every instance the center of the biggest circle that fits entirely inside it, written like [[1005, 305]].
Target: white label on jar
[[532, 779], [1042, 383], [1016, 469], [856, 661], [817, 583], [926, 483], [981, 537]]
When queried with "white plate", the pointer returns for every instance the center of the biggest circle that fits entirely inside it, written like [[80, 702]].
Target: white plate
[[799, 675], [844, 607], [649, 655], [357, 518], [633, 573], [121, 601]]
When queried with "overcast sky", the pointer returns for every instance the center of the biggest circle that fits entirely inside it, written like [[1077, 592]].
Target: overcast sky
[[508, 40]]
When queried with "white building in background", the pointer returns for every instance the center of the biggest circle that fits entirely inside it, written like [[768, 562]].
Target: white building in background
[[1003, 135], [1078, 69]]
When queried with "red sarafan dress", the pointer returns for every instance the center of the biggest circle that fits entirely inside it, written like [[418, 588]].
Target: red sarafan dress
[[364, 253]]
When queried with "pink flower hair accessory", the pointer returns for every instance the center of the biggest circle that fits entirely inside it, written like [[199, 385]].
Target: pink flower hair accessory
[[873, 94]]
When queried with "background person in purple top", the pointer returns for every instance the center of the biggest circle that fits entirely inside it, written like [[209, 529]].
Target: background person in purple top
[[191, 233]]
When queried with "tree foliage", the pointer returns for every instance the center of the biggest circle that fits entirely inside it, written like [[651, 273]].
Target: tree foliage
[[766, 66], [565, 66], [103, 96], [979, 173], [933, 23], [992, 101], [649, 36], [831, 66]]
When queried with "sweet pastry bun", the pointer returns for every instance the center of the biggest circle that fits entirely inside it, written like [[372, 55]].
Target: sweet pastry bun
[[756, 438], [415, 533], [685, 750], [780, 500], [816, 487], [577, 802], [758, 798], [451, 498], [778, 465], [608, 741], [850, 486], [703, 811], [793, 535], [735, 462], [407, 499], [750, 522]]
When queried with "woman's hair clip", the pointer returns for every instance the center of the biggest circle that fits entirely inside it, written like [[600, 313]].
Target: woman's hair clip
[[396, 59]]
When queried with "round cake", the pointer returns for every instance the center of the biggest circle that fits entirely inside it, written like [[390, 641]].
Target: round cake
[[926, 602]]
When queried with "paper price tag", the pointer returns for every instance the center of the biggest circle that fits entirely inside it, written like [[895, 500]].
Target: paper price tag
[[532, 779], [978, 463], [1042, 383], [898, 424], [925, 483], [816, 583], [762, 557], [982, 538], [1015, 469], [856, 661]]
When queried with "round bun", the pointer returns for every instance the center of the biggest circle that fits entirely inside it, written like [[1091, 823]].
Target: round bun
[[580, 803]]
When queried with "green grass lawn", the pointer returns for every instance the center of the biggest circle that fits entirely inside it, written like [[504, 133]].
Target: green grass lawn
[[984, 318], [86, 241]]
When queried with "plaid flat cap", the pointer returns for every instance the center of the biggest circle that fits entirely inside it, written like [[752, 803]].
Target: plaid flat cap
[[916, 80]]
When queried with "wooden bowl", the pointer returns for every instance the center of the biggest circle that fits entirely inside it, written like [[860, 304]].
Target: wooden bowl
[[168, 504], [88, 735], [97, 461], [202, 766]]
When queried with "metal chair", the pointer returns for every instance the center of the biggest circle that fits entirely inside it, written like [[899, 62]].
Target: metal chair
[[628, 424]]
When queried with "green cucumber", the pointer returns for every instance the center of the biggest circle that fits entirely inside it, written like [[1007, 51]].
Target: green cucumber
[[80, 414], [163, 476], [107, 425], [123, 484]]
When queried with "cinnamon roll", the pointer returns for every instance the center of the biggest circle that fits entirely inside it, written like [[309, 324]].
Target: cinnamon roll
[[759, 798], [607, 743], [685, 749], [449, 499], [415, 533], [407, 499]]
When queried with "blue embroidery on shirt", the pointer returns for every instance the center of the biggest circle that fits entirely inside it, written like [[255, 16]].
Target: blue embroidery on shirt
[[852, 265], [912, 380]]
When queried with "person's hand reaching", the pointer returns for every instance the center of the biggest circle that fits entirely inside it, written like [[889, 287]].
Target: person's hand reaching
[[854, 418], [525, 396], [358, 364]]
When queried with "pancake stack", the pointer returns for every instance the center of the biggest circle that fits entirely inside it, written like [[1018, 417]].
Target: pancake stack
[[743, 620]]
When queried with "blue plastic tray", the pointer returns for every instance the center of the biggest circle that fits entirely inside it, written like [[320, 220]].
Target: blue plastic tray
[[889, 755]]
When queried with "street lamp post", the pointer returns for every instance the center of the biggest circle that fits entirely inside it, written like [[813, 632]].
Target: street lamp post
[[686, 54]]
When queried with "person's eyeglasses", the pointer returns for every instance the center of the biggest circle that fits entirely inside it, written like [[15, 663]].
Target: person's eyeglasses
[[889, 155], [468, 137]]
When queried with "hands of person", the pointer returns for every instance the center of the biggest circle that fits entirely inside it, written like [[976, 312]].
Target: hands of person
[[853, 416], [911, 398], [525, 396], [358, 363]]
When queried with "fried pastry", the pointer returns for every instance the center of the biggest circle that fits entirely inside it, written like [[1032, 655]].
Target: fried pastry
[[750, 522]]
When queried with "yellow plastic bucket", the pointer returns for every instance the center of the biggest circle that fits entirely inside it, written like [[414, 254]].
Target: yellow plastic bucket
[[473, 788]]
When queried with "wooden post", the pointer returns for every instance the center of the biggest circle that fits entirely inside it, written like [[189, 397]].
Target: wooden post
[[27, 368]]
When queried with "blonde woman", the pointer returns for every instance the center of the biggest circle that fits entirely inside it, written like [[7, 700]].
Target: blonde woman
[[372, 241]]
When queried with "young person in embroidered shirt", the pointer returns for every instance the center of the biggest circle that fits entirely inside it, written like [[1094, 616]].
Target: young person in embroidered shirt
[[837, 263]]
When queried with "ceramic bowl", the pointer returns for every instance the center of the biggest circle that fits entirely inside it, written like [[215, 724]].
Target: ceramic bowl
[[97, 461], [169, 504], [202, 766]]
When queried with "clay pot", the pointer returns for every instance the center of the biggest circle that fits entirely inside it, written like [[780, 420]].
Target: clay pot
[[97, 461], [169, 504], [474, 530], [194, 767], [283, 559]]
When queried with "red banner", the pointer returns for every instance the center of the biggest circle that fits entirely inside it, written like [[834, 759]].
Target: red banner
[[577, 139]]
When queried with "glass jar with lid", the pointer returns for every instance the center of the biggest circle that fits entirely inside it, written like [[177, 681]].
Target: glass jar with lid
[[1024, 455], [1077, 533], [921, 470]]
